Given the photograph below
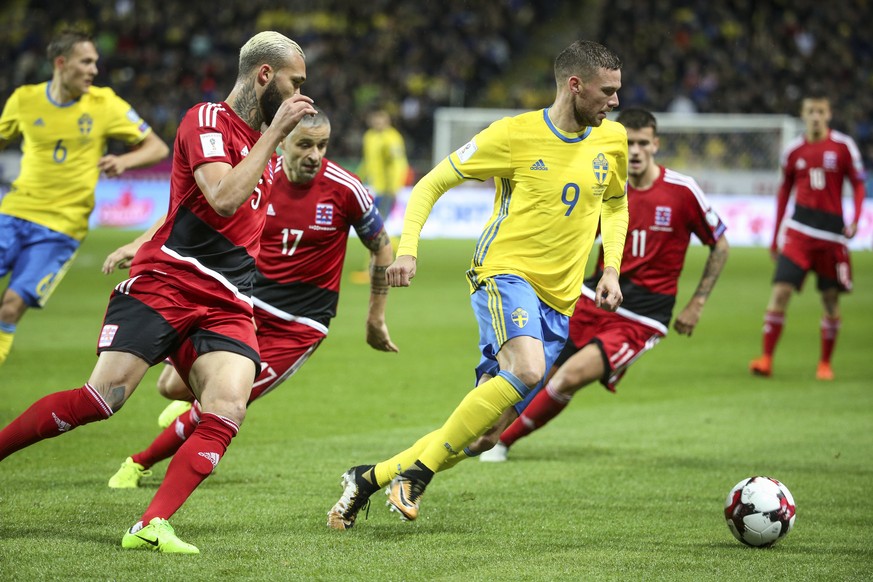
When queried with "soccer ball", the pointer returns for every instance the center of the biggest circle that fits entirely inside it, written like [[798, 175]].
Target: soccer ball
[[759, 511]]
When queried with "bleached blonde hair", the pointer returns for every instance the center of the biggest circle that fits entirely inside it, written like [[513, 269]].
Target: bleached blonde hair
[[270, 47]]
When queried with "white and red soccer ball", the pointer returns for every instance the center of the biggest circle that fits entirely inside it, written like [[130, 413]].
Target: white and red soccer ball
[[759, 511]]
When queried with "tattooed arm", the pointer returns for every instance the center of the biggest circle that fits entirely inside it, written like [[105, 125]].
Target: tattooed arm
[[381, 255], [688, 318]]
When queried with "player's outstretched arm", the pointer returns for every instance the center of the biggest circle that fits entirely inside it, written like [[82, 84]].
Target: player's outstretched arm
[[149, 151], [424, 195], [381, 254], [401, 271], [121, 257], [687, 319]]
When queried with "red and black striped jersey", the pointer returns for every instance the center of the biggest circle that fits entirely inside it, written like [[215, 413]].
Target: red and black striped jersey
[[196, 247], [304, 244], [816, 171], [662, 220]]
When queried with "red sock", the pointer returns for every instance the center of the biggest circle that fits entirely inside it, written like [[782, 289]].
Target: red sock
[[192, 463], [51, 416], [773, 323], [168, 442], [545, 406], [830, 327]]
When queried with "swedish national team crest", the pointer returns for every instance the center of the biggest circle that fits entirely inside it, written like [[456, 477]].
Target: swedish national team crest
[[86, 122], [519, 317], [601, 168], [324, 214]]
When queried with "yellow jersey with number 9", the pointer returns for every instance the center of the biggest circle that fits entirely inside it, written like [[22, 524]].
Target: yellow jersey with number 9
[[550, 187], [61, 145]]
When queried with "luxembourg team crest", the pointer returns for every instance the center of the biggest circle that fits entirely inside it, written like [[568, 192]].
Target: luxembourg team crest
[[663, 215], [519, 317], [601, 168], [324, 214]]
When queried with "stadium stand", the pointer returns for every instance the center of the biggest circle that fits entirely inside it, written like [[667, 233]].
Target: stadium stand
[[689, 55]]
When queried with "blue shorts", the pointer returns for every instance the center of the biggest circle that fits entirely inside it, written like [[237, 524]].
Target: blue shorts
[[37, 257], [506, 306]]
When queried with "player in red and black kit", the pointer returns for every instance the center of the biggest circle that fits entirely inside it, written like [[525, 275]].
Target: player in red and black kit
[[313, 206], [815, 165], [666, 208], [189, 295]]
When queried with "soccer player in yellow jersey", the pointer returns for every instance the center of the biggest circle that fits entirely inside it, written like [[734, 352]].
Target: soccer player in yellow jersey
[[557, 172], [64, 124], [384, 168]]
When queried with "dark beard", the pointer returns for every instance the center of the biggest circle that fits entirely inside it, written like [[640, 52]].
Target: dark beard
[[270, 102]]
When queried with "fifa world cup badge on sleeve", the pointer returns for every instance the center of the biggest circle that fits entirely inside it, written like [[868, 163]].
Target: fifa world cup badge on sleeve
[[466, 151]]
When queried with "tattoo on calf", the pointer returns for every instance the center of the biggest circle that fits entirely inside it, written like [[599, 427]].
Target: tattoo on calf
[[114, 396]]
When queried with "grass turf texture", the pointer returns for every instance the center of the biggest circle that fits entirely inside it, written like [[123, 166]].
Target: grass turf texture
[[621, 486]]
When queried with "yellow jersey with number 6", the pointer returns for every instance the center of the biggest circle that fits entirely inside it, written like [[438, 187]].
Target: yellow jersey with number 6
[[550, 188], [61, 145]]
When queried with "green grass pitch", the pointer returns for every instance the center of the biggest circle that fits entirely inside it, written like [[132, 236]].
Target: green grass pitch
[[626, 486]]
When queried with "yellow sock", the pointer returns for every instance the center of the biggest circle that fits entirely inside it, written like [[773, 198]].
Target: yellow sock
[[453, 460], [387, 470], [476, 413], [6, 338]]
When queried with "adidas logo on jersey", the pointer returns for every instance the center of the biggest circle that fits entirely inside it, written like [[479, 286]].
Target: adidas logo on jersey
[[245, 151], [211, 457], [39, 122], [539, 165], [62, 425], [270, 211]]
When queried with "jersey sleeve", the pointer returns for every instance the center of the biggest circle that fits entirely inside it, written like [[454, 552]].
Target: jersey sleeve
[[124, 123], [485, 156], [201, 137], [424, 195], [705, 222], [856, 172], [356, 199], [614, 209], [857, 175], [9, 127]]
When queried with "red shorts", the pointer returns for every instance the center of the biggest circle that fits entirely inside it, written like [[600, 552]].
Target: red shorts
[[153, 320], [828, 259], [621, 340], [285, 347]]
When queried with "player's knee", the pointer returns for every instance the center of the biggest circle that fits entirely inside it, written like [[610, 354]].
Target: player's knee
[[173, 389], [113, 393], [484, 443], [234, 410], [163, 386], [12, 307], [781, 296], [530, 373]]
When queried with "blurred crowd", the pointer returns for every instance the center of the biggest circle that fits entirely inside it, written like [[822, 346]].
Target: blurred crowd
[[163, 57], [736, 56], [748, 56]]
